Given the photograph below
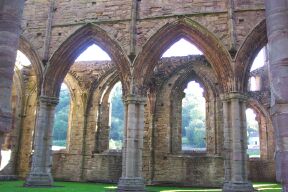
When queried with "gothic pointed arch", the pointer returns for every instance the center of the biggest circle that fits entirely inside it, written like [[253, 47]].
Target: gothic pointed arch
[[266, 129], [27, 49], [192, 31], [101, 83], [253, 43], [72, 47]]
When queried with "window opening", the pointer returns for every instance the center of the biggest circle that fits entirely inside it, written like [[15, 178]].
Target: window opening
[[253, 136], [116, 120], [61, 119], [193, 118], [259, 60]]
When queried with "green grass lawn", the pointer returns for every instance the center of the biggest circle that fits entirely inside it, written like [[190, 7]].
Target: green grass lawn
[[17, 186]]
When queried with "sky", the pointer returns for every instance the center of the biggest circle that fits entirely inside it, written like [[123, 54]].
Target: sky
[[21, 60], [259, 60], [182, 48], [94, 53]]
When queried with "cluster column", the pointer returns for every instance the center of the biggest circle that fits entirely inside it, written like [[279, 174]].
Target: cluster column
[[40, 173], [10, 20], [235, 143], [132, 179], [277, 31]]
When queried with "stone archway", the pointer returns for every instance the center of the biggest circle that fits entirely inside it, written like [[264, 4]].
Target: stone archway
[[65, 55], [253, 43], [212, 48]]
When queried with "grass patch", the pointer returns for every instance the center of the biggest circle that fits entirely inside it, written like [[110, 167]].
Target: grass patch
[[17, 186]]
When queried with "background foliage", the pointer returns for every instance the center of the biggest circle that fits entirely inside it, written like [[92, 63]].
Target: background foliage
[[61, 117], [117, 117], [193, 118]]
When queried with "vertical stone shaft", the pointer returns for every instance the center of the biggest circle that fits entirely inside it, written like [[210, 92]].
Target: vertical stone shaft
[[10, 19], [238, 148], [235, 144], [231, 24], [40, 174], [131, 141], [277, 31], [132, 179], [2, 137], [133, 28], [227, 141]]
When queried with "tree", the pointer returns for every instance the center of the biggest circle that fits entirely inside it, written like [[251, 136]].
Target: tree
[[117, 117], [61, 117]]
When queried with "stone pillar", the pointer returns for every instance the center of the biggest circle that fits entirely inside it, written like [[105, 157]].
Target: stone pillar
[[2, 138], [10, 22], [132, 179], [40, 173], [10, 19], [277, 32], [235, 144]]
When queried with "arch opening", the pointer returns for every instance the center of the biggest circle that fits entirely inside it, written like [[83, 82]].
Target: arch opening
[[61, 122], [116, 117], [93, 53], [253, 135], [182, 48], [5, 156], [21, 60], [193, 118], [254, 81], [259, 60]]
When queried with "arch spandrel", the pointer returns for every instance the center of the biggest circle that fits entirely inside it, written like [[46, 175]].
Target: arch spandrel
[[208, 43], [64, 57], [254, 42]]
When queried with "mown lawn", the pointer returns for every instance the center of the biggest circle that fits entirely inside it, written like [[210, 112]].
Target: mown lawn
[[17, 186]]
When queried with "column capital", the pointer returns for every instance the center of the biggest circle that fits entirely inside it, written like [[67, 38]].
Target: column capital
[[135, 99], [233, 95], [49, 100]]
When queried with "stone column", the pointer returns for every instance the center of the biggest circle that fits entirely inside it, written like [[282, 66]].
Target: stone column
[[10, 19], [235, 144], [2, 138], [40, 173], [277, 32], [132, 179]]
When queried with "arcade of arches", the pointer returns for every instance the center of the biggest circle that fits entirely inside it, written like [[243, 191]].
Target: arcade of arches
[[154, 139]]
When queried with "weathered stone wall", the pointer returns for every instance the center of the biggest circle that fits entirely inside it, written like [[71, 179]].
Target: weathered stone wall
[[106, 166], [173, 74], [262, 170], [47, 24], [114, 17]]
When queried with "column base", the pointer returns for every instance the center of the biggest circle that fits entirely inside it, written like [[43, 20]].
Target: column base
[[131, 184], [284, 187], [39, 180], [238, 187]]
